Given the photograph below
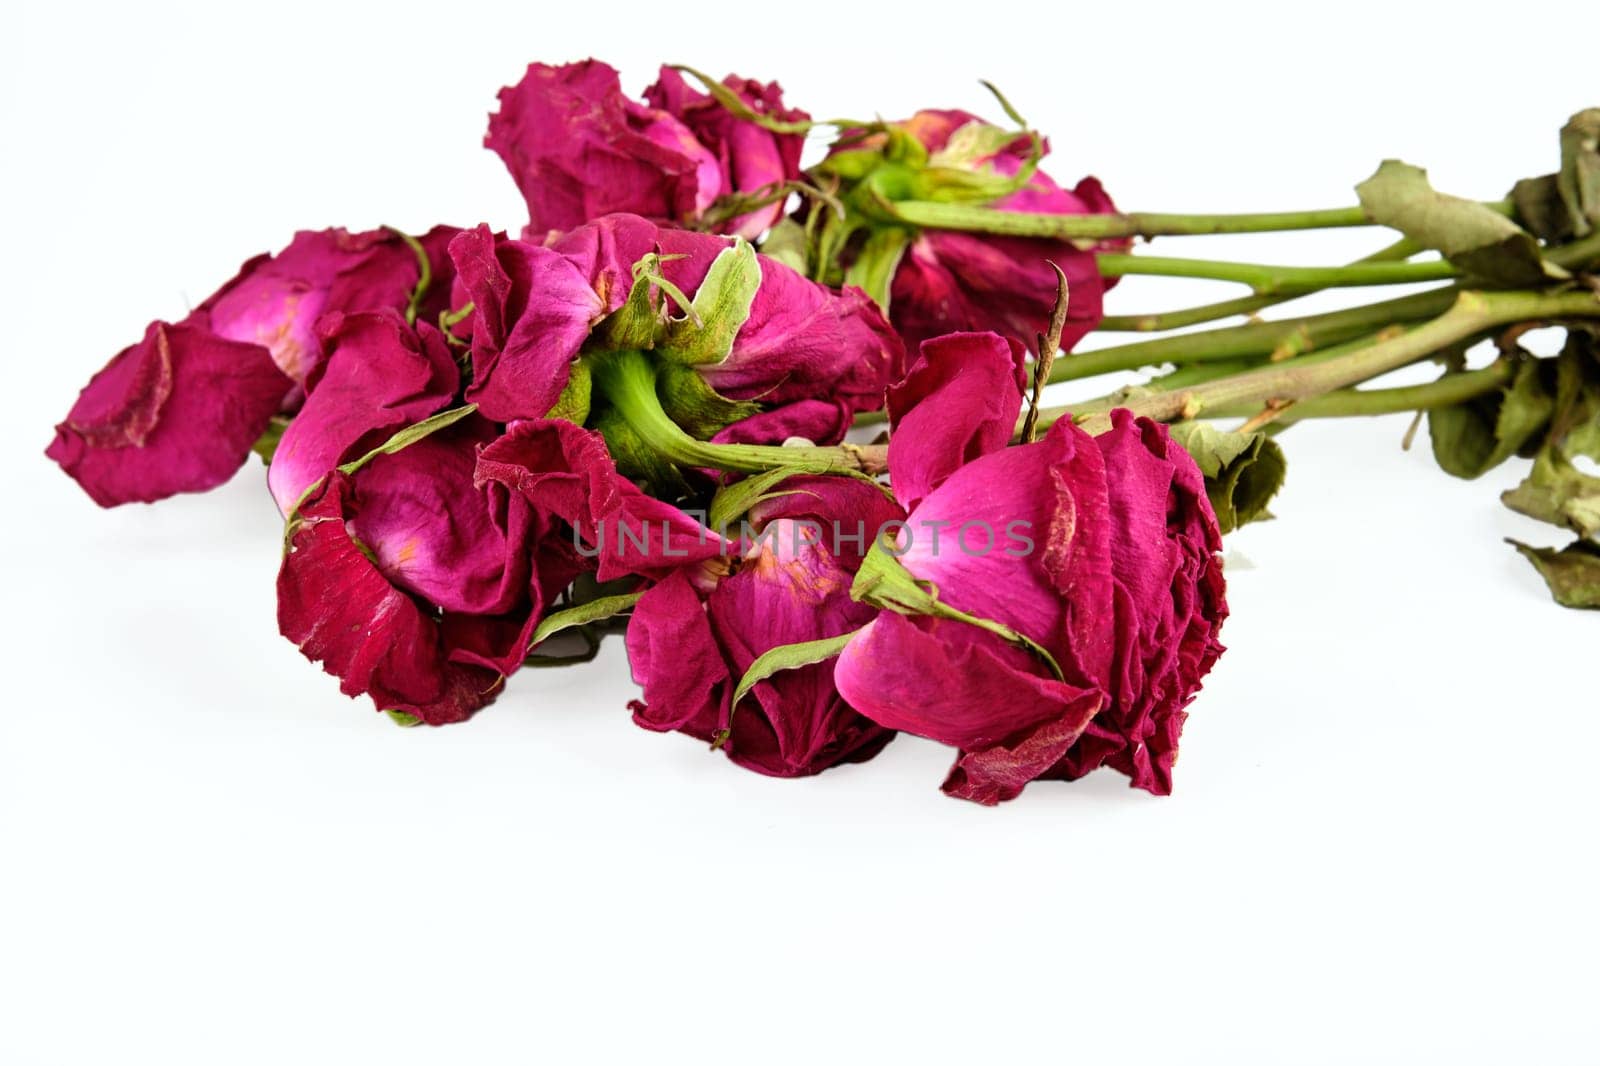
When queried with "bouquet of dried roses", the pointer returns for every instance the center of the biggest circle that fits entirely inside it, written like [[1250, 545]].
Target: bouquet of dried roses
[[654, 408]]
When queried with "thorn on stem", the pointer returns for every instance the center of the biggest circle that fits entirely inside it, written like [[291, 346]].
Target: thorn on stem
[[1411, 431], [1049, 345], [1274, 407]]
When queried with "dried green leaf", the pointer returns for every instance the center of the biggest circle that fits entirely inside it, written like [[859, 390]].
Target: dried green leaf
[[790, 657], [1243, 471], [1472, 438], [733, 502], [595, 610], [1540, 209], [1559, 493], [1579, 180], [884, 583], [1572, 573], [1483, 243]]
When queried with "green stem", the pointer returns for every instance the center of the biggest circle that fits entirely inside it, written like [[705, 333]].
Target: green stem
[[1404, 248], [628, 380], [1472, 313], [1342, 403], [1360, 403], [1273, 280], [975, 219], [1285, 337]]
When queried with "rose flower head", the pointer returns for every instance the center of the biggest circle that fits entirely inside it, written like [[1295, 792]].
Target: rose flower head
[[1049, 607], [935, 281], [579, 149], [179, 411], [692, 638]]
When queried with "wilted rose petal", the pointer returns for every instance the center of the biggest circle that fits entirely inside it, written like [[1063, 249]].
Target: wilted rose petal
[[415, 585], [751, 158], [275, 300], [564, 472], [532, 311], [380, 375], [176, 412]]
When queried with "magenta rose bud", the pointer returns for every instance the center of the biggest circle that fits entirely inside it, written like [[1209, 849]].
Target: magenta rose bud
[[1100, 552], [417, 586], [176, 412], [801, 343], [689, 645], [751, 158], [579, 149], [949, 281]]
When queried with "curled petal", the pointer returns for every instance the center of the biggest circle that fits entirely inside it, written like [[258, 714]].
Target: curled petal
[[564, 472], [951, 682], [959, 402], [339, 609], [532, 311], [380, 375], [176, 412], [579, 149]]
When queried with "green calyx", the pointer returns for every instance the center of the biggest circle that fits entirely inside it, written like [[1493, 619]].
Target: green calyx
[[646, 358], [649, 443]]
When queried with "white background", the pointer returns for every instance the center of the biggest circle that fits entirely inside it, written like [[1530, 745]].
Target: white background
[[1382, 843]]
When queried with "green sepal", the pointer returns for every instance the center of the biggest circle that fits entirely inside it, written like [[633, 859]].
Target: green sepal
[[596, 610], [732, 102], [404, 719], [790, 657], [1572, 573], [424, 273], [733, 502], [266, 445], [1480, 241], [875, 264], [694, 405], [408, 436], [399, 442], [1243, 471], [787, 243], [851, 164], [574, 402], [887, 585], [704, 335], [637, 324], [1469, 439]]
